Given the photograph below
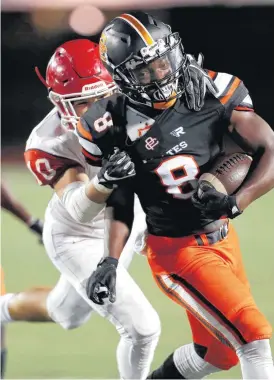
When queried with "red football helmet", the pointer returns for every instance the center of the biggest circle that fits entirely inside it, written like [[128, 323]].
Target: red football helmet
[[75, 72]]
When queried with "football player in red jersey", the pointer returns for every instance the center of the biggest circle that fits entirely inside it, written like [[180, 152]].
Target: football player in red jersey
[[192, 249], [74, 223]]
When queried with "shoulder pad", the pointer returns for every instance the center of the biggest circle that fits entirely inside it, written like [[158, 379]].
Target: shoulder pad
[[232, 92]]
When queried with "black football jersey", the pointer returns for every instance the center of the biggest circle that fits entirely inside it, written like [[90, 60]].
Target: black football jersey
[[170, 149]]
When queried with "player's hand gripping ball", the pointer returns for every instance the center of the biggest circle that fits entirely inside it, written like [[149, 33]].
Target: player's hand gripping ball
[[214, 194]]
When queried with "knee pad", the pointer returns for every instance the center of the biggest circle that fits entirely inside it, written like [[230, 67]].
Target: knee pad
[[142, 329], [68, 310], [252, 324], [223, 358], [148, 328]]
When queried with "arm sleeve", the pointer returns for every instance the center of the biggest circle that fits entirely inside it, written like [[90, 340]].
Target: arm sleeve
[[78, 205], [122, 202], [117, 241]]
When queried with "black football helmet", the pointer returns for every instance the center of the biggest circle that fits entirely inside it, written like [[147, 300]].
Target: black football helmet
[[147, 61]]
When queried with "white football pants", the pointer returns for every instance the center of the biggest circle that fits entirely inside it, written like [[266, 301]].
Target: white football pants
[[68, 305]]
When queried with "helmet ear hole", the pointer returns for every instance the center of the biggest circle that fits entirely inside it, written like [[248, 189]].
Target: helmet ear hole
[[152, 20]]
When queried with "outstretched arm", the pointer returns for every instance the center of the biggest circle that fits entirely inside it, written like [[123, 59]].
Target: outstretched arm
[[11, 204]]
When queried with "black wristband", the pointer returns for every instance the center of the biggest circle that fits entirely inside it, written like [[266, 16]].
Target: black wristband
[[36, 226], [234, 210]]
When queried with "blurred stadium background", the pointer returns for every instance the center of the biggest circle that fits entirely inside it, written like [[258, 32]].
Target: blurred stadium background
[[236, 39]]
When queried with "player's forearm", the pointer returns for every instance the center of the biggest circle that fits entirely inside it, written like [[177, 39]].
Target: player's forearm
[[82, 198], [116, 234], [9, 203], [96, 192], [82, 203], [93, 191], [260, 181], [119, 233], [118, 221]]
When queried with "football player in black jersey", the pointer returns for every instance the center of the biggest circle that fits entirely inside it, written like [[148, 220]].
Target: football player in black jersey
[[192, 249]]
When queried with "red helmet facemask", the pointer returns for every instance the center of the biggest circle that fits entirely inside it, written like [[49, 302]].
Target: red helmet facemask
[[74, 73]]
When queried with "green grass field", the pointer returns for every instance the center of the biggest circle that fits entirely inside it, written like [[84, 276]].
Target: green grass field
[[46, 351]]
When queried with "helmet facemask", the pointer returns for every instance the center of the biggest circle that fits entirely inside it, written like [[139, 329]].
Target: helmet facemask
[[157, 74]]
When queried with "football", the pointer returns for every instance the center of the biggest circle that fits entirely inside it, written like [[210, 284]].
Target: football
[[228, 172]]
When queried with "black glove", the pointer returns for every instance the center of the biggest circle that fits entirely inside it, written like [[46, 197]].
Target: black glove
[[102, 282], [198, 84], [214, 204], [37, 226], [116, 169]]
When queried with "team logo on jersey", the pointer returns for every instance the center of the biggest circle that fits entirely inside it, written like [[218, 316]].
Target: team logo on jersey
[[103, 47], [151, 142], [178, 132]]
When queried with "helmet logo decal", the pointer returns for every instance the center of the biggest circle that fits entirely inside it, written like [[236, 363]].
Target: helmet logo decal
[[94, 86], [103, 47], [139, 28]]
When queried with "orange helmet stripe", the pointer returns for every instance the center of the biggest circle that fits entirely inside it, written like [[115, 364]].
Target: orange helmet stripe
[[139, 27]]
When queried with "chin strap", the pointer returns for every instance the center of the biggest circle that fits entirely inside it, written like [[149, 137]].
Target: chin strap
[[164, 105]]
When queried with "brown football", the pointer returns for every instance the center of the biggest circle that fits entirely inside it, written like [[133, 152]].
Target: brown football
[[228, 172]]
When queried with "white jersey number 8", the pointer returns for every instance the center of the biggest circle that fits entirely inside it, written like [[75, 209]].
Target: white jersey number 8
[[176, 172]]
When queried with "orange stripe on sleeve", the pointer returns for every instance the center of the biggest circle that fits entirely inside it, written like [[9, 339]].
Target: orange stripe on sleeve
[[240, 108], [232, 89], [83, 132], [211, 73], [90, 156]]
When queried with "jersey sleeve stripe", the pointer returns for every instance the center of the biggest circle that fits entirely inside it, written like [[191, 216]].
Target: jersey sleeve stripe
[[34, 154], [247, 101], [92, 160], [82, 132], [235, 84], [212, 74], [223, 82], [90, 147], [242, 108]]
